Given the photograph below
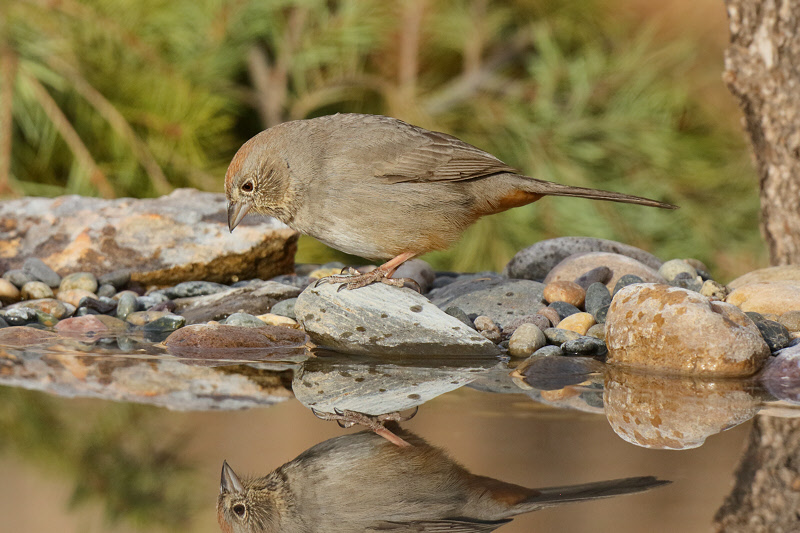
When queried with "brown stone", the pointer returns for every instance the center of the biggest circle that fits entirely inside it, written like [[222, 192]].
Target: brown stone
[[550, 314], [8, 292], [579, 323], [565, 291], [776, 297], [789, 273], [220, 341], [673, 330], [791, 320], [575, 265], [74, 296]]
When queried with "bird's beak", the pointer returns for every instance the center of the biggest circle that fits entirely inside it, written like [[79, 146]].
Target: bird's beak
[[236, 212], [229, 481]]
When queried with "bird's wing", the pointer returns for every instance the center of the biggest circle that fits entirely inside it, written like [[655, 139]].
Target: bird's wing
[[464, 525], [434, 156]]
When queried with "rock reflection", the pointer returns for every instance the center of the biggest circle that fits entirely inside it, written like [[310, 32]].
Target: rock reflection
[[670, 412], [361, 482]]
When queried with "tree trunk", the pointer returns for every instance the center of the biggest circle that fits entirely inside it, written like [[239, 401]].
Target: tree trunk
[[762, 69]]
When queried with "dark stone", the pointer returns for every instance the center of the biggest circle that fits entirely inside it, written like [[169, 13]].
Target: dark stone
[[559, 336], [118, 279], [457, 312], [167, 324], [585, 346], [83, 311], [106, 290], [600, 314], [564, 309], [18, 316], [127, 304], [685, 280], [775, 334], [555, 373], [103, 306], [3, 323], [597, 296], [627, 279], [601, 274], [38, 270]]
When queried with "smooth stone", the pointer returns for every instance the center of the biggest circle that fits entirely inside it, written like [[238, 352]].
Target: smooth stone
[[486, 327], [551, 315], [285, 308], [791, 320], [189, 289], [540, 321], [278, 320], [244, 320], [83, 311], [601, 274], [502, 300], [126, 304], [295, 280], [106, 291], [79, 280], [714, 290], [672, 330], [18, 316], [775, 334], [685, 280], [18, 277], [101, 305], [9, 293], [382, 320], [597, 295], [781, 375], [525, 340], [696, 264], [51, 306], [38, 270], [150, 300], [564, 291], [118, 279], [220, 341], [35, 290], [142, 318], [536, 261], [624, 281], [74, 296], [457, 312], [621, 265], [588, 346], [601, 314], [418, 270], [549, 351], [578, 322], [564, 309], [255, 299], [88, 326], [560, 336], [786, 273], [46, 319], [776, 297], [598, 331], [554, 373], [673, 267], [164, 324], [22, 336]]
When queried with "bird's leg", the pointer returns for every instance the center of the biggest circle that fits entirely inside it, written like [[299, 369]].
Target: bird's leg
[[382, 274], [346, 419]]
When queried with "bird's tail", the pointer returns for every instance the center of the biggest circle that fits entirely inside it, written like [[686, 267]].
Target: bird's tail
[[556, 189], [589, 491]]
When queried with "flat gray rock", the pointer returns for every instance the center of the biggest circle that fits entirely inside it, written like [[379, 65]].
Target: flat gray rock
[[256, 299], [382, 320], [534, 262], [179, 237]]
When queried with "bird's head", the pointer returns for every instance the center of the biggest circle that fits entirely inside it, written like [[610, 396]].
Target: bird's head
[[246, 506], [257, 179]]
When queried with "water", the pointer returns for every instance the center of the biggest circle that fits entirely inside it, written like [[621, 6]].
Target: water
[[72, 463]]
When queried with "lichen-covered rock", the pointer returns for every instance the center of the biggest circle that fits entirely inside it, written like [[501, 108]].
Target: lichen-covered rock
[[621, 265], [165, 240], [673, 330]]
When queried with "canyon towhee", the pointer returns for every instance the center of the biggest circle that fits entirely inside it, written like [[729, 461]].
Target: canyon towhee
[[361, 482], [379, 188]]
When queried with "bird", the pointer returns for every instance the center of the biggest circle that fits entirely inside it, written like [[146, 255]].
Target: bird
[[361, 482], [380, 188]]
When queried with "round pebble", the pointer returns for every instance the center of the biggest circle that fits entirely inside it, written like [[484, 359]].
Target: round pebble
[[564, 309], [19, 316], [600, 314], [457, 312], [791, 320], [83, 311], [106, 291], [38, 270], [585, 346], [271, 319], [74, 296], [18, 277], [50, 306], [564, 291], [101, 305], [488, 328], [550, 314], [540, 321], [46, 319], [673, 267], [126, 304], [142, 318], [775, 334], [549, 351], [598, 331], [597, 296], [713, 290], [118, 279], [35, 290], [165, 323], [560, 336], [527, 338], [579, 323], [243, 319], [624, 281], [285, 308], [8, 292], [79, 280], [685, 280], [601, 274]]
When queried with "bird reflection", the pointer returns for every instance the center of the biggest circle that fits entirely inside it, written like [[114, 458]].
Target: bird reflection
[[362, 482]]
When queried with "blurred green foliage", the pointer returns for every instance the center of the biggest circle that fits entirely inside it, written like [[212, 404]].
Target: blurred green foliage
[[121, 97]]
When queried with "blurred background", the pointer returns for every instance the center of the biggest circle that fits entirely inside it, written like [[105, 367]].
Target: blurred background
[[137, 97]]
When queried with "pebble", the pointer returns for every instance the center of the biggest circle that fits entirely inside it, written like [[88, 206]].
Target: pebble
[[673, 267], [696, 264], [83, 311], [600, 314], [551, 315], [585, 346], [243, 319], [488, 328], [526, 339], [601, 274], [540, 321], [142, 318], [51, 306], [90, 326], [578, 322], [564, 309], [102, 305], [775, 334], [598, 331], [19, 316], [118, 279], [151, 300], [560, 336], [8, 292], [18, 277], [35, 290], [46, 319], [215, 341], [74, 296], [549, 351], [79, 280], [106, 291], [457, 312], [188, 289], [685, 280], [791, 320], [126, 304], [164, 324], [597, 295], [38, 270], [285, 308], [713, 290], [271, 319], [564, 291], [624, 281]]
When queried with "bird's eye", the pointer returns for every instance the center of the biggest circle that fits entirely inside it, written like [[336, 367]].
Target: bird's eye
[[239, 509], [248, 186]]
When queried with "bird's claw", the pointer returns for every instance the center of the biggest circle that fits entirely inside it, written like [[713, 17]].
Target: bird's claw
[[347, 419]]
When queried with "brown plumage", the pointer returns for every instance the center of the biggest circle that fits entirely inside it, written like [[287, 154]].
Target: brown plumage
[[378, 187]]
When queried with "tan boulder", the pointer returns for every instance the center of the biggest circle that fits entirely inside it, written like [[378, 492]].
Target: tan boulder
[[776, 297], [789, 273], [575, 265]]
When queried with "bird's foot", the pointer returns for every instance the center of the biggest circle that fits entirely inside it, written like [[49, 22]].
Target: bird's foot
[[346, 418], [355, 279]]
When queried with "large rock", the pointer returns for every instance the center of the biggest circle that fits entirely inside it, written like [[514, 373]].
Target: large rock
[[255, 298], [673, 330], [534, 262], [382, 320], [182, 236], [789, 273], [776, 297], [621, 265], [221, 341]]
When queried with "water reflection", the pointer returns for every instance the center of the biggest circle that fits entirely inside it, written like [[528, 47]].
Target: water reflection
[[362, 482]]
